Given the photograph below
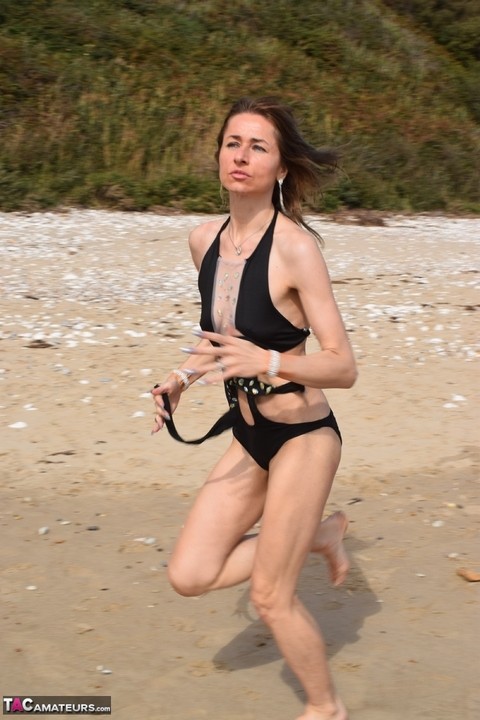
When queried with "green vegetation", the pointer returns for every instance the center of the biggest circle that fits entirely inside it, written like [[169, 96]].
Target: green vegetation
[[116, 103]]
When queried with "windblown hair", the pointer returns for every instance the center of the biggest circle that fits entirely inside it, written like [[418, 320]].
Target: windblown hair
[[307, 166]]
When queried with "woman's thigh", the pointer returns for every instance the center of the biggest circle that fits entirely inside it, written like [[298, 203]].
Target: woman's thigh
[[300, 479], [227, 506]]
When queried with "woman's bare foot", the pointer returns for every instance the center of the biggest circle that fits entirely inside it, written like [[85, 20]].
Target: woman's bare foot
[[313, 713], [329, 542]]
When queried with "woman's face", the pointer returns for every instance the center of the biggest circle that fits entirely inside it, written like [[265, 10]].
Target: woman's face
[[249, 158]]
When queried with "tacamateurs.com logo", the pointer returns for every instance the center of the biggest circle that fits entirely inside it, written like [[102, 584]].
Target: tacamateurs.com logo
[[58, 705]]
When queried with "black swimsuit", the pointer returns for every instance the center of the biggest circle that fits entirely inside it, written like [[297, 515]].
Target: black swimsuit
[[256, 317], [258, 321]]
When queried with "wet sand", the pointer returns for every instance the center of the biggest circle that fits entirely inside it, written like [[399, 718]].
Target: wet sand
[[94, 309]]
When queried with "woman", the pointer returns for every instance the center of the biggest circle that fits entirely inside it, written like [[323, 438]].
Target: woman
[[263, 284]]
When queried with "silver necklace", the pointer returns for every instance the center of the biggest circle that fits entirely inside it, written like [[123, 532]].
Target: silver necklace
[[238, 248]]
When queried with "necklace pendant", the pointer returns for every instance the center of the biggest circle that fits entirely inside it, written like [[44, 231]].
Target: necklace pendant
[[238, 250]]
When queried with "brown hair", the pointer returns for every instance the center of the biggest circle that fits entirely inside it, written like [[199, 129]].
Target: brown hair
[[306, 165]]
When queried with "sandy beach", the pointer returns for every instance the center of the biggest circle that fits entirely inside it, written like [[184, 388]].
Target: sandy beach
[[95, 306]]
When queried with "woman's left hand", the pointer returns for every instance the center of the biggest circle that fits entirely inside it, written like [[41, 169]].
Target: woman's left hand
[[233, 357]]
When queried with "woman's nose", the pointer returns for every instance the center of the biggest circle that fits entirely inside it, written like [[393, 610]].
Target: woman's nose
[[241, 156]]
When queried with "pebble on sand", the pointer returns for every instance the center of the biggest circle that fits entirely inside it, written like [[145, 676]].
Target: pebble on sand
[[469, 575], [104, 670]]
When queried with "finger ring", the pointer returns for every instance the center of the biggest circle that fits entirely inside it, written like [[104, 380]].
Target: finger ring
[[221, 366]]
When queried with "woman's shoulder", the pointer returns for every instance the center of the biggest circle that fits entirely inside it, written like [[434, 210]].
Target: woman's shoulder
[[294, 241], [208, 229], [202, 236]]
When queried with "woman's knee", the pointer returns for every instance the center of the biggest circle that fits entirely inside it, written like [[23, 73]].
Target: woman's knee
[[188, 580], [270, 601]]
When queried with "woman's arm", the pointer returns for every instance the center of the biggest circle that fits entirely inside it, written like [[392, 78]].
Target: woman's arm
[[192, 369], [306, 272]]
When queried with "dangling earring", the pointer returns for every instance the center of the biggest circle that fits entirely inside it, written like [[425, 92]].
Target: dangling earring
[[280, 194]]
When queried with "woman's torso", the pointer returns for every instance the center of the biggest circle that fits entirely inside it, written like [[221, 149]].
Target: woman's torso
[[258, 300]]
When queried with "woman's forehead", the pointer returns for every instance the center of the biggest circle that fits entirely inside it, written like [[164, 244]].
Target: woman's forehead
[[251, 126]]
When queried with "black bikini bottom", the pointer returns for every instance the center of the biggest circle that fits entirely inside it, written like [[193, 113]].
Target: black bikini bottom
[[264, 438]]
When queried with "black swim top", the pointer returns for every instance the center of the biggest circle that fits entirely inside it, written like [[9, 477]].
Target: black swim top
[[256, 317]]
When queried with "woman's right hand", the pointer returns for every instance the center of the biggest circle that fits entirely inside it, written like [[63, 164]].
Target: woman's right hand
[[173, 389]]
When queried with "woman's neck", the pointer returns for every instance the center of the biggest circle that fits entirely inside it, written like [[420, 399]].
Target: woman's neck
[[247, 214], [248, 222]]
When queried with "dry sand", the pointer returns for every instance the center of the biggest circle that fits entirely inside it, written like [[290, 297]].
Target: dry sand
[[95, 306]]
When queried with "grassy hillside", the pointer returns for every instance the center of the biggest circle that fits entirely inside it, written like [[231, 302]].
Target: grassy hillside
[[118, 102]]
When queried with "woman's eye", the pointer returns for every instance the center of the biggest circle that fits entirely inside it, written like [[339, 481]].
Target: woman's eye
[[232, 144], [259, 147]]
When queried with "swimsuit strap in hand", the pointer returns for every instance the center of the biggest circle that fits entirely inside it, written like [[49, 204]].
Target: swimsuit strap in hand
[[222, 424]]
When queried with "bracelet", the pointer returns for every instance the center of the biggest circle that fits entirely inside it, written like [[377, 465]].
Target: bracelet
[[182, 377], [274, 364]]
